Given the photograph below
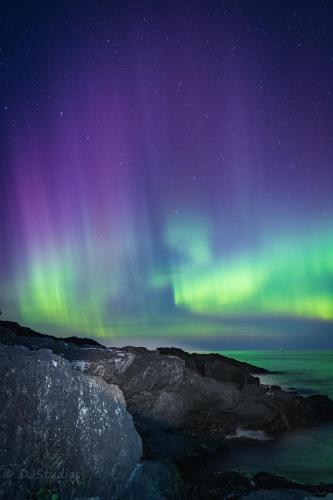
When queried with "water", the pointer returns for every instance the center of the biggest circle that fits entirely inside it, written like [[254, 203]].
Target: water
[[310, 372], [303, 455]]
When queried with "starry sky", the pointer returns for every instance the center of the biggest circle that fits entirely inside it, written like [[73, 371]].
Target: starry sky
[[167, 170]]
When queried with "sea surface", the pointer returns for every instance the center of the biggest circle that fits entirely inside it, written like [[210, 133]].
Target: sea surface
[[302, 455]]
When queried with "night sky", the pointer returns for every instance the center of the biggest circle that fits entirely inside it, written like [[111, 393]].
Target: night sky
[[167, 170]]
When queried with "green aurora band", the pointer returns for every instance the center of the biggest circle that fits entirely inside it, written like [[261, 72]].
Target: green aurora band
[[288, 277]]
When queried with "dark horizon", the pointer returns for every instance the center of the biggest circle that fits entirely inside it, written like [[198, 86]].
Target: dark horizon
[[310, 337]]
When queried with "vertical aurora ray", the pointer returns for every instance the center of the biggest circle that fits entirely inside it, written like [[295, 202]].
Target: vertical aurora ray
[[165, 183], [79, 253]]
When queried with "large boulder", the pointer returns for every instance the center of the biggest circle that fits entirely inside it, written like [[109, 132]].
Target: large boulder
[[62, 430], [133, 370]]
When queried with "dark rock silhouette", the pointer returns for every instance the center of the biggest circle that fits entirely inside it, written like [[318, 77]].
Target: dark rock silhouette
[[23, 331], [182, 405]]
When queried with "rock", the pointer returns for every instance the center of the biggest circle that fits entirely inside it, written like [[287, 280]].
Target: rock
[[279, 495], [163, 392], [227, 373], [156, 480], [261, 486], [199, 397], [61, 429], [264, 480], [296, 410], [182, 403], [24, 336], [197, 361], [221, 485]]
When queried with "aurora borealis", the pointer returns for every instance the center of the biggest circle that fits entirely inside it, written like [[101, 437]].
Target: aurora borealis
[[167, 169]]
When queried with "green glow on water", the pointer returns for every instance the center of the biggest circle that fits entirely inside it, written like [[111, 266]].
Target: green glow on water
[[303, 454]]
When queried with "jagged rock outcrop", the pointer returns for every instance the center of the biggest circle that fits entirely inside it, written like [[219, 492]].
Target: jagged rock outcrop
[[217, 366], [67, 398], [164, 394], [61, 428], [157, 387], [180, 401]]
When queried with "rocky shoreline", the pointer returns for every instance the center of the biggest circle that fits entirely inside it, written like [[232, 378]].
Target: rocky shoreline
[[81, 420]]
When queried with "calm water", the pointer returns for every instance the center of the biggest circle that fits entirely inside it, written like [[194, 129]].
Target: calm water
[[304, 455]]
